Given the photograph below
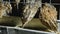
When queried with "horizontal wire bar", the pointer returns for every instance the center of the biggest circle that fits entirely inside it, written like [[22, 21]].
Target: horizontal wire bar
[[53, 3], [35, 2], [24, 29]]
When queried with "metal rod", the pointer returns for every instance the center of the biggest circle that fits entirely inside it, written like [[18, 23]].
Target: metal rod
[[50, 1], [17, 6], [7, 31], [9, 0], [23, 29], [53, 3]]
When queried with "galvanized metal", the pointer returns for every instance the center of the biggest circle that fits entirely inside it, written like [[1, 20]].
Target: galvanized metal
[[16, 30]]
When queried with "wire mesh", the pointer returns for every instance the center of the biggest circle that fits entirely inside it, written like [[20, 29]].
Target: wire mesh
[[27, 2], [15, 30], [11, 31]]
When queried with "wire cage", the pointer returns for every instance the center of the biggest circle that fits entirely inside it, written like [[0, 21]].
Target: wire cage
[[14, 30], [17, 12], [23, 2]]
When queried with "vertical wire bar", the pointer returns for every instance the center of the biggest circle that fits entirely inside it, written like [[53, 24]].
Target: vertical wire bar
[[24, 2], [2, 1], [50, 1], [17, 5], [59, 13], [7, 31], [9, 0]]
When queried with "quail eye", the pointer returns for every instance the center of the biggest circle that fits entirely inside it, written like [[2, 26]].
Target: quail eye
[[48, 10]]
